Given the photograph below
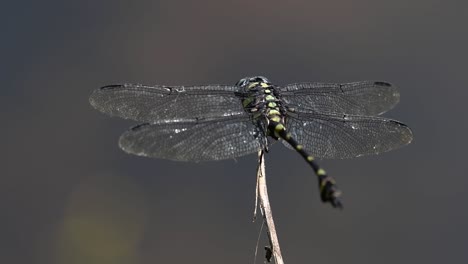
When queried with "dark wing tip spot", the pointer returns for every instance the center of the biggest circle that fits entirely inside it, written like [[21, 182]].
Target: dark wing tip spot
[[396, 122], [383, 84], [111, 86], [137, 127]]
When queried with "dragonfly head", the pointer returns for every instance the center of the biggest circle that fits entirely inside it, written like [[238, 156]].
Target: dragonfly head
[[248, 80]]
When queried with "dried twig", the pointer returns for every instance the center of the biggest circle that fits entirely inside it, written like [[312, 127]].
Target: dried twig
[[265, 209]]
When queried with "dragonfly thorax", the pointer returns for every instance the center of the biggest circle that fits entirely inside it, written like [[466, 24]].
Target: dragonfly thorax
[[261, 99]]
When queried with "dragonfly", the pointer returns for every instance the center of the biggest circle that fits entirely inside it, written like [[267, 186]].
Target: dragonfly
[[219, 122]]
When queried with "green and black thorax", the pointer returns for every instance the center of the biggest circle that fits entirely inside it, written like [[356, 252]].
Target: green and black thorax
[[262, 100]]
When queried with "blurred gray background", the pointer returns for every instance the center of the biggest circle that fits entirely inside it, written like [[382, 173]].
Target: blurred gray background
[[68, 194]]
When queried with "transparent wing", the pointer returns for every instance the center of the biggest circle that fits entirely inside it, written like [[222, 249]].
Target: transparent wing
[[193, 140], [346, 136], [152, 103], [368, 98]]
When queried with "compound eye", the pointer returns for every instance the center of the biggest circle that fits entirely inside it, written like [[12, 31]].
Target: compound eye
[[261, 79], [242, 82]]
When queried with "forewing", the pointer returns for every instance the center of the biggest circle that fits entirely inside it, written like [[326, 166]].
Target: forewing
[[346, 136], [193, 140], [368, 98], [154, 103]]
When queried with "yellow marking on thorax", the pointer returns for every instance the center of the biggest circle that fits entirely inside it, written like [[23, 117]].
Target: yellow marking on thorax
[[279, 127], [273, 112], [252, 85], [275, 118], [321, 172], [264, 85]]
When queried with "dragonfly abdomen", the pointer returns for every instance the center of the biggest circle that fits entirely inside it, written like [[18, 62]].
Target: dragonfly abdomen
[[327, 185]]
